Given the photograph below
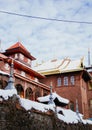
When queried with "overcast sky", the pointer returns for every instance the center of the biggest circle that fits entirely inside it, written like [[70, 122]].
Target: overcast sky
[[48, 39]]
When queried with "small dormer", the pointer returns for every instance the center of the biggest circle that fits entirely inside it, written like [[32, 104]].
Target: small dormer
[[20, 53]]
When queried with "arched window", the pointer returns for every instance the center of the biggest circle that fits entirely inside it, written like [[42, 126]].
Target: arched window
[[1, 84], [20, 90], [45, 94], [65, 81], [90, 85], [90, 103], [72, 80], [5, 84], [59, 82], [37, 94], [71, 106], [29, 94]]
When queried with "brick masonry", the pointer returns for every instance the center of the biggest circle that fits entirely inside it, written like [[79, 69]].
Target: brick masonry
[[15, 117]]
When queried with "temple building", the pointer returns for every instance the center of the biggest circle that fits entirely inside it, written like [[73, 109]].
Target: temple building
[[70, 79], [26, 80]]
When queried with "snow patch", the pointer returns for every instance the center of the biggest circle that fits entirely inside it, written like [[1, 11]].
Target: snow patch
[[65, 115], [7, 93]]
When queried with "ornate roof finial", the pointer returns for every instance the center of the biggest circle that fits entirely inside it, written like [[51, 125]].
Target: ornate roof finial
[[51, 97], [77, 111], [19, 39], [11, 78]]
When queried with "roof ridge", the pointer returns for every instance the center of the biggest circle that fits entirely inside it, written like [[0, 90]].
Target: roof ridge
[[16, 45], [64, 61]]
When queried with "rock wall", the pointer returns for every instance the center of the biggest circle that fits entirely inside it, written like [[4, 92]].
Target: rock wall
[[14, 117]]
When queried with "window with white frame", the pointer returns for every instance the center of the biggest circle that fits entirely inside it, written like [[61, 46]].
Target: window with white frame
[[59, 82], [36, 79], [16, 56], [23, 73], [29, 61], [72, 80], [7, 66], [65, 81], [21, 56]]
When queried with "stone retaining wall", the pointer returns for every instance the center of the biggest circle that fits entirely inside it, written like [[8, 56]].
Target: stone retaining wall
[[14, 117]]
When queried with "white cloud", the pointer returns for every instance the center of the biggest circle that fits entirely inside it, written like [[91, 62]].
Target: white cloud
[[48, 39]]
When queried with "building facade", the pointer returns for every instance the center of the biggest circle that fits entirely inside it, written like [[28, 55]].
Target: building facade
[[89, 91], [26, 80], [70, 80]]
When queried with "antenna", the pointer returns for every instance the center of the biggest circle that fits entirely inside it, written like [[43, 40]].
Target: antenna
[[88, 56], [19, 39], [0, 47]]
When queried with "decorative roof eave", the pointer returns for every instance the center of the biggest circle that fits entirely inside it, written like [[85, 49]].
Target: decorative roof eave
[[18, 64], [72, 70], [57, 71], [58, 100], [32, 81], [3, 56], [86, 76], [18, 47], [49, 72], [60, 66], [19, 50], [17, 44]]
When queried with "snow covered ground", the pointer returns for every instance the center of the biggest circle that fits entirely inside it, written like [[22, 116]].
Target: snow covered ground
[[66, 115]]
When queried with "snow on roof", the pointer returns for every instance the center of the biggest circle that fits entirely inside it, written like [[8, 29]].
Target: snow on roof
[[54, 95], [48, 65], [67, 115], [7, 93], [90, 70], [4, 73], [28, 105], [72, 65], [60, 66], [70, 116]]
